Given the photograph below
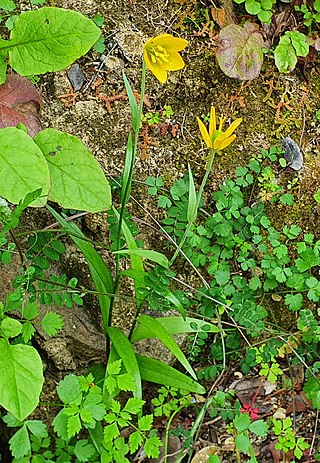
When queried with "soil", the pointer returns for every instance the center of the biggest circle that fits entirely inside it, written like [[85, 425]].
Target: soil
[[272, 106]]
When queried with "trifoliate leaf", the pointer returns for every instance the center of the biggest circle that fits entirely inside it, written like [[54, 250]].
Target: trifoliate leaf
[[83, 451], [126, 382], [134, 405], [69, 389], [260, 428], [37, 427], [114, 368], [135, 441], [60, 424], [52, 323], [294, 301], [30, 311], [145, 422], [20, 443], [243, 443], [110, 432], [151, 447], [74, 425]]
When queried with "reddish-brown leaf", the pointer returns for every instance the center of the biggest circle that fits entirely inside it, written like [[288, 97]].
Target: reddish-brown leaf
[[20, 102]]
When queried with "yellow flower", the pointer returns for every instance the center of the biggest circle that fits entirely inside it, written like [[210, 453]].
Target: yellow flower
[[161, 55], [216, 138]]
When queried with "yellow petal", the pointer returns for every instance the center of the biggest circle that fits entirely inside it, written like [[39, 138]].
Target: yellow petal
[[204, 133], [222, 143], [155, 68], [213, 123], [170, 43], [232, 127], [175, 62], [221, 122]]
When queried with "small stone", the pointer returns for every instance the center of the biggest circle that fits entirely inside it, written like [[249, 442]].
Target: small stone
[[292, 153], [279, 414], [76, 77]]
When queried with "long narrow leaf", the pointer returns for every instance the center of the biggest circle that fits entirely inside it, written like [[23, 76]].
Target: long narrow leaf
[[125, 350], [158, 372], [175, 301], [133, 104], [192, 199], [100, 272], [127, 171], [136, 261], [154, 256], [174, 325], [162, 334]]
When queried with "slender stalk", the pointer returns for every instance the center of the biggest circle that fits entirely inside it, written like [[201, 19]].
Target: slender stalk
[[199, 196], [128, 184]]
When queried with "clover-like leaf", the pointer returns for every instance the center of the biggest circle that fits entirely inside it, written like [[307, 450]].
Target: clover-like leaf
[[20, 102], [239, 52]]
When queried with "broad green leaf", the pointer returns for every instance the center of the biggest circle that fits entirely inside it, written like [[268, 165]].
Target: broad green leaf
[[239, 51], [21, 379], [100, 272], [23, 167], [127, 355], [174, 325], [49, 39], [20, 443], [192, 199], [77, 180], [154, 256], [158, 372], [162, 334], [10, 327], [3, 63], [60, 424], [7, 5]]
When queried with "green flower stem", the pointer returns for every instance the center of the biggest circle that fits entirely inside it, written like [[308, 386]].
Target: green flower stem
[[189, 226], [128, 184]]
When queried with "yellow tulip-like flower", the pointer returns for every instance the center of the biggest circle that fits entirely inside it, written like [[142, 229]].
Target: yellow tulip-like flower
[[216, 138], [161, 55]]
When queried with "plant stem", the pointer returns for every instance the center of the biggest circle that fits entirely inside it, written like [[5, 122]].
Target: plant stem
[[199, 196], [128, 184]]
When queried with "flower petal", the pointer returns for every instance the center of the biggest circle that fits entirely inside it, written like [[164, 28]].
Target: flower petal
[[155, 68], [232, 127], [170, 43], [221, 142], [175, 62], [213, 122], [204, 133]]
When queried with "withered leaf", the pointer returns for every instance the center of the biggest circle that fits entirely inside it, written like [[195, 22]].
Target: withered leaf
[[20, 102], [239, 51]]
